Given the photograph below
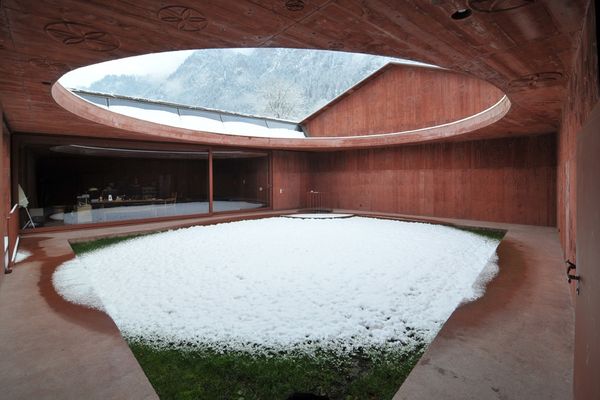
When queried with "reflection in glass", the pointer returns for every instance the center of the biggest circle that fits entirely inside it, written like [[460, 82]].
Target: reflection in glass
[[240, 180], [79, 184]]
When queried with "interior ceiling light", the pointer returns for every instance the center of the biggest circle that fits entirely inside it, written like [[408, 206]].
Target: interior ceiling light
[[461, 13]]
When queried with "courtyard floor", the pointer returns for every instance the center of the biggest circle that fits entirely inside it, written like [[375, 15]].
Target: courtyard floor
[[515, 342]]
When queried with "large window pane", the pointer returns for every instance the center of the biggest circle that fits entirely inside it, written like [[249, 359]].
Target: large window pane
[[240, 180], [71, 184]]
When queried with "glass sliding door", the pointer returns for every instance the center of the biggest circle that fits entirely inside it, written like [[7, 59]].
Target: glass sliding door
[[70, 184], [240, 180]]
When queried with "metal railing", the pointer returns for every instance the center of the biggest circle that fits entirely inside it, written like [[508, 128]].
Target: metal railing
[[11, 242], [317, 201]]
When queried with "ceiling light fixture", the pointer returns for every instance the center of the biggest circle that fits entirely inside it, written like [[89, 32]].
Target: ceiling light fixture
[[461, 13]]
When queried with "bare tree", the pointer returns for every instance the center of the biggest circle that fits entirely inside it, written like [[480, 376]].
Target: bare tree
[[282, 99]]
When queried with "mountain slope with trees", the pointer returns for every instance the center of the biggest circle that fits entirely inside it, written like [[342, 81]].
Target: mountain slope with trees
[[282, 83]]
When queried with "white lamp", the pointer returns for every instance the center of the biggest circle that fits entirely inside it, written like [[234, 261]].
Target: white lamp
[[24, 203]]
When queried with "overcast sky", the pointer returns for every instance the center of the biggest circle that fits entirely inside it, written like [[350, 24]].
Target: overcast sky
[[156, 65]]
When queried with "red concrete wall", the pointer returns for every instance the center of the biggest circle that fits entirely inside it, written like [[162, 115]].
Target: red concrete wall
[[586, 384], [582, 95], [403, 98], [505, 180], [5, 200], [4, 188], [291, 179], [578, 199], [5, 165]]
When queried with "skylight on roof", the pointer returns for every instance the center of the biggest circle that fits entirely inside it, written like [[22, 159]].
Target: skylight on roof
[[286, 84], [279, 93]]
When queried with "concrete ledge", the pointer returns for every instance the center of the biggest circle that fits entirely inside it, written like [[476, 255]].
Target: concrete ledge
[[52, 349]]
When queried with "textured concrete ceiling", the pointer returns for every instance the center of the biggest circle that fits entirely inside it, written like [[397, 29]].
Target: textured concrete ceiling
[[525, 47]]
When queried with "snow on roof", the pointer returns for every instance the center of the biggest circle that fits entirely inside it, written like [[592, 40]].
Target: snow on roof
[[219, 121], [196, 118]]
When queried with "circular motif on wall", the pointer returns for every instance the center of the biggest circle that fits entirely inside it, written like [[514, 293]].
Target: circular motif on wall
[[498, 5], [75, 33], [44, 63], [294, 5], [540, 79], [186, 19]]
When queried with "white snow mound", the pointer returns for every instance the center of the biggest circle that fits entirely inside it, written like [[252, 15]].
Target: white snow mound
[[22, 255], [319, 215], [284, 283]]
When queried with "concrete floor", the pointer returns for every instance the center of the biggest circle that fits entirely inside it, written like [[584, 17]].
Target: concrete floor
[[516, 342], [53, 349]]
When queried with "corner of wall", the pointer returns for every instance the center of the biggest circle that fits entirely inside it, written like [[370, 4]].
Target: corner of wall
[[581, 96]]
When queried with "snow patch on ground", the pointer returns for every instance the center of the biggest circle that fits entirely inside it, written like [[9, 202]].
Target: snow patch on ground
[[488, 273], [284, 283], [319, 215], [22, 255], [75, 279]]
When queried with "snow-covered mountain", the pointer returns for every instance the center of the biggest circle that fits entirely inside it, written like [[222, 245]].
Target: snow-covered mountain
[[282, 83]]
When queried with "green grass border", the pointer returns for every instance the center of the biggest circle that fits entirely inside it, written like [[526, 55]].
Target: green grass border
[[490, 233], [207, 374], [82, 247], [210, 375]]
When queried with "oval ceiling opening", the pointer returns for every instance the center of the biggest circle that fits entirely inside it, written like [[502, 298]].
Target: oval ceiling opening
[[278, 94]]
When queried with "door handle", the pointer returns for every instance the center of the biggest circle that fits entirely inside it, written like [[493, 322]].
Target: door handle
[[571, 277]]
